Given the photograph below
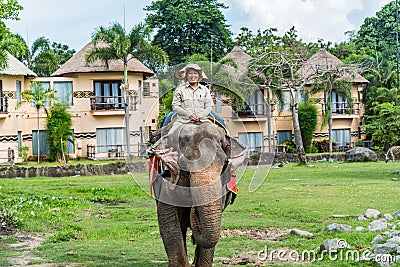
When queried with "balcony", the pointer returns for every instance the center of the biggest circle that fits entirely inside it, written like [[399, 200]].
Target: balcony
[[3, 107], [117, 151], [107, 103], [250, 111], [342, 108]]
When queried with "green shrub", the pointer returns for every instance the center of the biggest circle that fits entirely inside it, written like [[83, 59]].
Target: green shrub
[[323, 145], [308, 123], [290, 146], [359, 143]]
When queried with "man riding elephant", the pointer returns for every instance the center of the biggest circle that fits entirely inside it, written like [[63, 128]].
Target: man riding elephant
[[200, 158]]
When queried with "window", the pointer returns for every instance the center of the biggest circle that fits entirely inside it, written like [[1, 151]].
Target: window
[[341, 137], [19, 141], [1, 97], [108, 95], [284, 136], [70, 149], [43, 142], [339, 103], [257, 103], [139, 86], [109, 138], [286, 101], [252, 140], [18, 91], [63, 92], [45, 85], [218, 102], [146, 89]]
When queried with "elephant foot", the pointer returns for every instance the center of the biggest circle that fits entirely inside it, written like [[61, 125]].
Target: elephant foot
[[203, 257]]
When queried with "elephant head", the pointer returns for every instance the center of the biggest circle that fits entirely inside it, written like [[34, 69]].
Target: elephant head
[[200, 157]]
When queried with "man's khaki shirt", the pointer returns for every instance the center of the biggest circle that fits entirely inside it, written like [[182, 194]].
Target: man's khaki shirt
[[188, 101]]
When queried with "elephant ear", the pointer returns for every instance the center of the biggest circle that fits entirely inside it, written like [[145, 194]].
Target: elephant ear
[[170, 157], [236, 151]]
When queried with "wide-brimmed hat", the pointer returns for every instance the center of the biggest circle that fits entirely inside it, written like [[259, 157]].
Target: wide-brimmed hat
[[181, 75]]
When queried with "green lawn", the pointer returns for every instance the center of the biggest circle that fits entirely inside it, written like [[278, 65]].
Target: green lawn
[[111, 220]]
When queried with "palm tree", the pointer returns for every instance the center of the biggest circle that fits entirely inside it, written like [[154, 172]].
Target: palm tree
[[119, 45], [39, 97]]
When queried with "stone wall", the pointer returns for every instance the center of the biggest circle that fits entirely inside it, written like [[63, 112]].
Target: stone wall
[[73, 170], [266, 158]]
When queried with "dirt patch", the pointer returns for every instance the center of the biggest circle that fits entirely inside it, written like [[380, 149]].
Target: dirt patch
[[25, 247], [267, 235], [264, 258]]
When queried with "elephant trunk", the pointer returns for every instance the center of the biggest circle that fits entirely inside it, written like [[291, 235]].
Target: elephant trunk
[[206, 224], [205, 216]]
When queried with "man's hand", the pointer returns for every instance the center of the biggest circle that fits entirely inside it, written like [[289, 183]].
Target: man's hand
[[194, 118]]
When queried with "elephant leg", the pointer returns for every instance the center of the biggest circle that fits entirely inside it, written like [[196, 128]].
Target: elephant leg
[[172, 235], [203, 257]]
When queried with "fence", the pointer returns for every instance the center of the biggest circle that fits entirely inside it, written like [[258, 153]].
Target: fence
[[7, 156], [103, 152]]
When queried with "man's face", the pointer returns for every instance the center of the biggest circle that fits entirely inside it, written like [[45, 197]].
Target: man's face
[[192, 76]]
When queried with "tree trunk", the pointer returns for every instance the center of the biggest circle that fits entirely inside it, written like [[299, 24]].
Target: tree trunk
[[297, 133], [126, 111], [269, 118], [38, 137]]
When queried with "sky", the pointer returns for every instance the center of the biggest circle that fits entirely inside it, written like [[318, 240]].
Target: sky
[[72, 22]]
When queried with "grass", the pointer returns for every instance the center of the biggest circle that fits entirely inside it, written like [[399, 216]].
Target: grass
[[112, 221]]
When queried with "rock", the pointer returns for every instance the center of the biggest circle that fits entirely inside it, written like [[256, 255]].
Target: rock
[[362, 218], [394, 240], [388, 216], [392, 233], [300, 233], [333, 245], [371, 213], [378, 240], [343, 228], [377, 225], [359, 228], [386, 248], [360, 154]]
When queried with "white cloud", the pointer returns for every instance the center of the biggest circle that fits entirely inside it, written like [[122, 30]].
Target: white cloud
[[72, 22], [313, 19]]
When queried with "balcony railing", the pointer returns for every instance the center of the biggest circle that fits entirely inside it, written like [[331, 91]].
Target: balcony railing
[[102, 152], [107, 102], [3, 105], [7, 156], [343, 108], [253, 110]]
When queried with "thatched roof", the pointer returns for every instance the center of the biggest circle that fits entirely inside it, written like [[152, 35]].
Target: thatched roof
[[77, 64], [240, 57], [321, 60], [15, 67]]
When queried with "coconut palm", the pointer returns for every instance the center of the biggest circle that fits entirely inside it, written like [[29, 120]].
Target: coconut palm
[[113, 43], [40, 97]]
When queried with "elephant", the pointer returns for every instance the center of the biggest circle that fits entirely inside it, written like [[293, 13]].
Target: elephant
[[200, 158]]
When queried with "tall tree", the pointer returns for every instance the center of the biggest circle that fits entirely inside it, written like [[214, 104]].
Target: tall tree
[[275, 67], [123, 46], [186, 27], [39, 97], [9, 9], [43, 57], [59, 124]]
